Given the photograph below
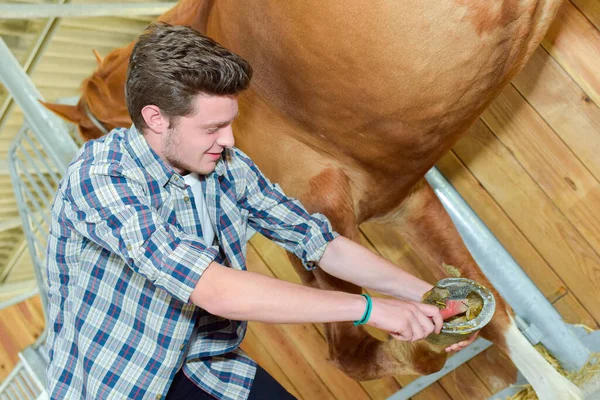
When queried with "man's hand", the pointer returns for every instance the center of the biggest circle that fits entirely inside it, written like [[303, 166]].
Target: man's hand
[[405, 320], [461, 345]]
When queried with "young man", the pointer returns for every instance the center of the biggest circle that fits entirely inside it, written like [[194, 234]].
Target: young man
[[146, 254]]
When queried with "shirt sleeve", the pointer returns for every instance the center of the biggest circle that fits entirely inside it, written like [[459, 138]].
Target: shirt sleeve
[[284, 219], [113, 211]]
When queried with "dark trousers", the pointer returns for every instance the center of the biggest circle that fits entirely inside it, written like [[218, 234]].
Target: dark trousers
[[265, 387]]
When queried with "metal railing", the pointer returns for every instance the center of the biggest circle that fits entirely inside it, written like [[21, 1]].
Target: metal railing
[[22, 383], [35, 177]]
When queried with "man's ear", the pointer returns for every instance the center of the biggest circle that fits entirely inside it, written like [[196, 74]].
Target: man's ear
[[155, 119], [67, 112]]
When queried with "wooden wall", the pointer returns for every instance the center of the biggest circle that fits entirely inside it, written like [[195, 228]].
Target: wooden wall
[[529, 167]]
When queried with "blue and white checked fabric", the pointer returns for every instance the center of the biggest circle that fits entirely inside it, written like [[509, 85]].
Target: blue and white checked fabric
[[125, 252]]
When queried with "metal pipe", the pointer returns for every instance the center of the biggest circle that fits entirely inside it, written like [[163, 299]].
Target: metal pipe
[[32, 59], [50, 130], [27, 11], [455, 361], [508, 277]]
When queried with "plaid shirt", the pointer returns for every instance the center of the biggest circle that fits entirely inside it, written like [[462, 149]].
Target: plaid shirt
[[124, 255]]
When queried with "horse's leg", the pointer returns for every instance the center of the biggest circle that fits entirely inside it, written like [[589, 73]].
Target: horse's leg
[[427, 227], [351, 348]]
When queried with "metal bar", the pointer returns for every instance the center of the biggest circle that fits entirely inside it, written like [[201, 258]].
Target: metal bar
[[13, 261], [18, 390], [32, 59], [36, 188], [39, 175], [41, 157], [31, 162], [27, 391], [453, 362], [49, 129], [37, 205], [10, 223], [10, 391], [508, 277], [20, 298], [25, 11]]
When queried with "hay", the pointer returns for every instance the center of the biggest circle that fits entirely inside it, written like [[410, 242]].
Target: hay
[[580, 378]]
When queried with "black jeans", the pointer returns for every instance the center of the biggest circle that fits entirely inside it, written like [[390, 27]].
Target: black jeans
[[265, 387]]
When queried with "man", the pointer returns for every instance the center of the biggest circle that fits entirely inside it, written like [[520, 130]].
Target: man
[[148, 288]]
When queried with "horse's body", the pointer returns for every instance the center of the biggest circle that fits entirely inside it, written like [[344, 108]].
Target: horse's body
[[350, 105]]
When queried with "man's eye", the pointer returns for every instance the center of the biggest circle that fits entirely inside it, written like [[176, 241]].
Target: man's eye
[[212, 130]]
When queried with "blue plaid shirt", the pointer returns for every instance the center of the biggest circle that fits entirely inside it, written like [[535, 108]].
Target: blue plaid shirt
[[125, 252]]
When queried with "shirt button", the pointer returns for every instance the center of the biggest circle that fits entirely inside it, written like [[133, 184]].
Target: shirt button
[[129, 247], [182, 347], [158, 397], [186, 198]]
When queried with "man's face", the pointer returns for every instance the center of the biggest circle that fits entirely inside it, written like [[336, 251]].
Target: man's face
[[195, 143]]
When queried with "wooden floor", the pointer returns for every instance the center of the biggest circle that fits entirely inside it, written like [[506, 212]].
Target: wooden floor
[[530, 167]]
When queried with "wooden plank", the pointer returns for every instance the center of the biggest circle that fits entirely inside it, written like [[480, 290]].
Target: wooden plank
[[67, 78], [464, 384], [68, 34], [291, 360], [260, 353], [315, 349], [572, 312], [434, 391], [591, 10], [310, 343], [494, 368], [381, 388], [558, 172], [548, 230], [563, 105], [275, 258], [20, 325], [107, 24], [81, 69], [575, 43], [77, 50]]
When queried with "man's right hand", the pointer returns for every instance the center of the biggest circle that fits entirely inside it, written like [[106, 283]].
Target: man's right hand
[[405, 320]]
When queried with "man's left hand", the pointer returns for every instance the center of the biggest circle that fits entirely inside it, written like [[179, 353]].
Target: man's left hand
[[461, 345], [454, 307]]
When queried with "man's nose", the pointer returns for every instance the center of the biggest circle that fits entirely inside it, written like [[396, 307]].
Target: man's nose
[[226, 138]]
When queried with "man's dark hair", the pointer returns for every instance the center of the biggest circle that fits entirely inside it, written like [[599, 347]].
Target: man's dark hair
[[170, 65]]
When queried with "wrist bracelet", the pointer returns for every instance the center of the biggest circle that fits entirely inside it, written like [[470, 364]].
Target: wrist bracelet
[[367, 313]]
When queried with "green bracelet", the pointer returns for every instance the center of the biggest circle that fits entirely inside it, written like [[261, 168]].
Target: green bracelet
[[367, 313]]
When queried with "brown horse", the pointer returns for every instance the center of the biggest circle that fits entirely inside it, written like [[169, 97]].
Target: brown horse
[[351, 104]]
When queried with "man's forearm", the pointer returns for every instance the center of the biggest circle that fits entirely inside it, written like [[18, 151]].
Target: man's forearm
[[248, 296], [354, 263]]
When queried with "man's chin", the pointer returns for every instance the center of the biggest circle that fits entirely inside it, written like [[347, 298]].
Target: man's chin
[[206, 170]]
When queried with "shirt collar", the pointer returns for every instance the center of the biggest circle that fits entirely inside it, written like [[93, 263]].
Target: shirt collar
[[147, 158], [153, 164]]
